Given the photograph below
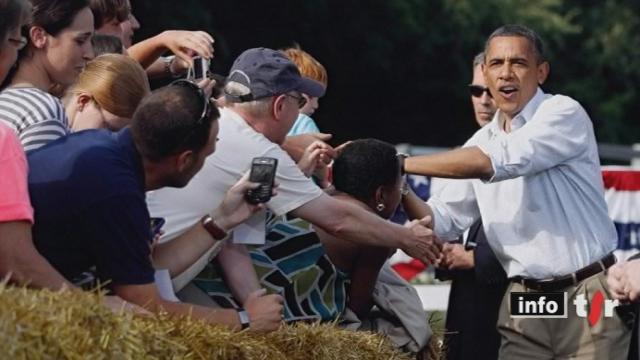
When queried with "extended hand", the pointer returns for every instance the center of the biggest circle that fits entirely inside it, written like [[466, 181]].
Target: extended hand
[[422, 245], [316, 156], [184, 43], [265, 311], [454, 256]]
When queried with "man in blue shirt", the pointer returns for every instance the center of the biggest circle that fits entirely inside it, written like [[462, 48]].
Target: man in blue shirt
[[88, 192]]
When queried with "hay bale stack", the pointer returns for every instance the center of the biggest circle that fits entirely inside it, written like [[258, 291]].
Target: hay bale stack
[[40, 324]]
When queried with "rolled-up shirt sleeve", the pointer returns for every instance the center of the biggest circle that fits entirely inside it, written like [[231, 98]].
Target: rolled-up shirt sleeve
[[455, 209], [558, 132]]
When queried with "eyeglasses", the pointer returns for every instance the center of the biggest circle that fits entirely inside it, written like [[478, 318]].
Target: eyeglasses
[[206, 107], [478, 90], [19, 43], [302, 101]]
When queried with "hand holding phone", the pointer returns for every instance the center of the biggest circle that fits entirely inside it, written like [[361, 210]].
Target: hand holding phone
[[263, 171]]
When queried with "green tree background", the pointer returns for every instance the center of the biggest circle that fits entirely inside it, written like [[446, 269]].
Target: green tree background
[[398, 69]]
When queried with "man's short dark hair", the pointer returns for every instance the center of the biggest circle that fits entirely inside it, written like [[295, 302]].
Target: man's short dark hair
[[105, 11], [167, 122], [521, 31], [363, 166]]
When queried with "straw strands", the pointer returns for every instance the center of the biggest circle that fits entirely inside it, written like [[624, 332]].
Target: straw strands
[[41, 324]]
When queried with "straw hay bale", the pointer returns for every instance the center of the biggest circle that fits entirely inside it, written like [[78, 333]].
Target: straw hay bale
[[41, 324]]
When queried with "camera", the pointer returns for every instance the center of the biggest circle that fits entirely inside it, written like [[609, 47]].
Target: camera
[[200, 68], [263, 171]]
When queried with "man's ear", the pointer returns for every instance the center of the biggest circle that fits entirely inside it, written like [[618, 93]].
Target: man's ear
[[543, 72], [38, 37], [278, 106], [184, 160], [82, 100]]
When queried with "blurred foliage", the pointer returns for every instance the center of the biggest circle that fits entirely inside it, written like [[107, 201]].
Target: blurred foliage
[[398, 68]]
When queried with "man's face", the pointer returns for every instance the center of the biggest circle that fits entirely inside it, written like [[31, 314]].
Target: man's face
[[483, 106], [129, 27], [512, 73]]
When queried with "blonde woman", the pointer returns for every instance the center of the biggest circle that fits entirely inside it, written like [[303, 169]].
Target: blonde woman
[[106, 94]]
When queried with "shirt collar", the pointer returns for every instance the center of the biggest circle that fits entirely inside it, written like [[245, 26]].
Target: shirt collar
[[522, 118]]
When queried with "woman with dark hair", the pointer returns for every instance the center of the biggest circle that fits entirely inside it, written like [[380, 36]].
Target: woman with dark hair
[[322, 277], [59, 45]]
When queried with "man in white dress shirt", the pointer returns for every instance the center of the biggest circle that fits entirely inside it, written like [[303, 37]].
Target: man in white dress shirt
[[534, 178]]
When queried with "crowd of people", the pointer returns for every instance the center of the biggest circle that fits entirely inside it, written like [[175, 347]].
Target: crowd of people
[[91, 158]]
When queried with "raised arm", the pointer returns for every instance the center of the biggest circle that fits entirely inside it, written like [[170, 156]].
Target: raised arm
[[462, 163], [181, 43]]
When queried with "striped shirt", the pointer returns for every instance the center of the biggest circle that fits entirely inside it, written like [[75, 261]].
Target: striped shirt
[[37, 117]]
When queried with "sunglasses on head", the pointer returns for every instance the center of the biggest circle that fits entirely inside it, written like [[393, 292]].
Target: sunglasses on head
[[478, 90], [206, 107]]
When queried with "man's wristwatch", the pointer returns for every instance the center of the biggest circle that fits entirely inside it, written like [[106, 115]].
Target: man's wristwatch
[[168, 61], [212, 228], [243, 315]]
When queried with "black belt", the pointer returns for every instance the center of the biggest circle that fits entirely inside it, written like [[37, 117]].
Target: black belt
[[565, 281]]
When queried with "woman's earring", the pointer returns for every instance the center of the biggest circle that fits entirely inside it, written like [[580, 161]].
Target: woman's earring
[[380, 207]]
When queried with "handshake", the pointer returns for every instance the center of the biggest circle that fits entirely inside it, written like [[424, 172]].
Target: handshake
[[423, 245]]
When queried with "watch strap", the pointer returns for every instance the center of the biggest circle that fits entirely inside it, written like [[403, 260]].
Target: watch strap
[[243, 315], [212, 228]]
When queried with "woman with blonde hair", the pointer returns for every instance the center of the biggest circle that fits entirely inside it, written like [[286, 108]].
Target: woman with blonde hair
[[106, 94]]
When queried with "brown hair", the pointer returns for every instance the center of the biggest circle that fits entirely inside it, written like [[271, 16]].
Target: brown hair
[[116, 82], [104, 11], [307, 65]]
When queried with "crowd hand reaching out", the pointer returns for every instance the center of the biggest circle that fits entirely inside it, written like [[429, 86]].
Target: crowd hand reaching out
[[456, 257], [265, 311], [117, 305], [624, 281], [234, 209], [297, 144], [185, 45], [316, 156], [423, 245]]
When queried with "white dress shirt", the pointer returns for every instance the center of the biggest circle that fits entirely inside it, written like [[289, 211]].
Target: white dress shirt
[[543, 211]]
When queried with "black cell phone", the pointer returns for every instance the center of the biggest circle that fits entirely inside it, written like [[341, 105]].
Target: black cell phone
[[156, 225], [200, 68], [263, 171]]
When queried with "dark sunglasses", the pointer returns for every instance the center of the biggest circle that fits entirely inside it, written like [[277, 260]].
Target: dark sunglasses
[[477, 90], [302, 101], [206, 107]]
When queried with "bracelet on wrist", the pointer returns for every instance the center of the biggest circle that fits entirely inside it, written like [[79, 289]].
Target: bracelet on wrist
[[245, 321]]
